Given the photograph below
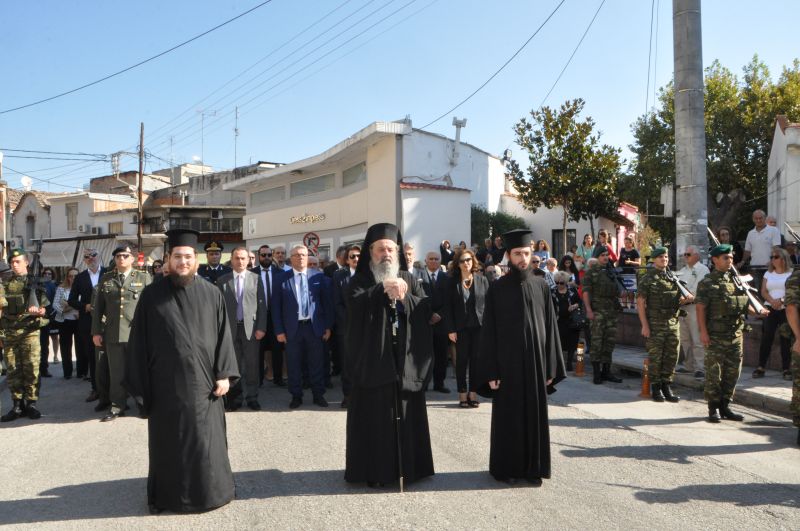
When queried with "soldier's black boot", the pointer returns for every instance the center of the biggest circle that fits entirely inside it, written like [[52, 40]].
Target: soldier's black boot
[[598, 377], [727, 414], [668, 394], [713, 416], [31, 411], [607, 376], [655, 391], [14, 414], [798, 436]]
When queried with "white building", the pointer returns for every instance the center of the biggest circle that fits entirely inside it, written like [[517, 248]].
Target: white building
[[783, 169], [386, 172]]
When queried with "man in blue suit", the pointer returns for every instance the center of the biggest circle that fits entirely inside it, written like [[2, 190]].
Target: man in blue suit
[[302, 313]]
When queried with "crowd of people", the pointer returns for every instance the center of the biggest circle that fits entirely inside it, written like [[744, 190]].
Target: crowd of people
[[506, 316]]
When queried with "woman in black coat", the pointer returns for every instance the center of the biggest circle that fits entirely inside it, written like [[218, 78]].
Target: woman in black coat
[[566, 301], [464, 303]]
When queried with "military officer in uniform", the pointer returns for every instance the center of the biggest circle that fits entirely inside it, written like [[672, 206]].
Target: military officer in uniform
[[721, 311], [792, 303], [601, 300], [20, 323], [212, 270], [658, 304], [115, 300]]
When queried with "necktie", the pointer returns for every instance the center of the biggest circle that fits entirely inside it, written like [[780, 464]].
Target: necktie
[[122, 278], [239, 309], [303, 296]]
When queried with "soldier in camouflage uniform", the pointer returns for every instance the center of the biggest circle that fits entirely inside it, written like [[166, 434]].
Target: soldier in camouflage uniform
[[721, 311], [20, 324], [792, 302], [115, 300], [658, 304], [601, 300]]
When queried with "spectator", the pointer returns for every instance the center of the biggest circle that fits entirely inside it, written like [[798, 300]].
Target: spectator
[[66, 319], [567, 302], [491, 272], [464, 302], [773, 290], [48, 334], [313, 265], [536, 265], [486, 253], [157, 269], [629, 261], [446, 252], [542, 251], [550, 269], [339, 263], [773, 222], [568, 264], [251, 259], [791, 248], [726, 236], [462, 245], [758, 246], [604, 239], [498, 251], [586, 248]]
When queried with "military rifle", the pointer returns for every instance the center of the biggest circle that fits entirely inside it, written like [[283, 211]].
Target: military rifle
[[792, 233], [34, 281], [672, 277], [742, 282]]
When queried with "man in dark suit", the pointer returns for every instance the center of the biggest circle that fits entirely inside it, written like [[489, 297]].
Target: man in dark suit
[[434, 283], [271, 276], [302, 311], [339, 263], [411, 256], [212, 270], [80, 297], [247, 315], [341, 279]]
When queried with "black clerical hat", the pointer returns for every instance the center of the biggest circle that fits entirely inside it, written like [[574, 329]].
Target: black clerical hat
[[381, 231], [182, 238], [517, 238]]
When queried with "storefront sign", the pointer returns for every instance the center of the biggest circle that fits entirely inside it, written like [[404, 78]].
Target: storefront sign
[[307, 218]]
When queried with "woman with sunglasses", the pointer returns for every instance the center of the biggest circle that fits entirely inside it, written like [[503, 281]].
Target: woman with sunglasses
[[463, 315], [566, 301], [67, 319], [773, 290]]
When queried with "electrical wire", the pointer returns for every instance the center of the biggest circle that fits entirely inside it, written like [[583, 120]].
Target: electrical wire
[[53, 152], [41, 180], [50, 158], [465, 100], [649, 57], [140, 63]]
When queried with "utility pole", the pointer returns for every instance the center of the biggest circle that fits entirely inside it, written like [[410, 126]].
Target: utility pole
[[203, 114], [236, 137], [691, 189], [140, 189]]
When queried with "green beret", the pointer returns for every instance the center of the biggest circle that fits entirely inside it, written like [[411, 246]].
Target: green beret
[[15, 253], [723, 248], [658, 251]]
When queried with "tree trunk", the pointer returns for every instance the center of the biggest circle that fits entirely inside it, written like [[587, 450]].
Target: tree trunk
[[564, 233], [591, 226], [724, 209]]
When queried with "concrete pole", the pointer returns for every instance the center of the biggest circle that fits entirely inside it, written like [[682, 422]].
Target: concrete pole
[[691, 215]]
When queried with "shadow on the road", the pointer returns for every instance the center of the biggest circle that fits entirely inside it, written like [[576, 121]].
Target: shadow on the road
[[738, 494], [663, 452], [600, 423]]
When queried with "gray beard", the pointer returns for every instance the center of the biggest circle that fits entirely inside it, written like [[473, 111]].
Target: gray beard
[[384, 270]]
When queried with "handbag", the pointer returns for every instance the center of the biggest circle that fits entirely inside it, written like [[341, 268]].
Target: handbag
[[577, 320]]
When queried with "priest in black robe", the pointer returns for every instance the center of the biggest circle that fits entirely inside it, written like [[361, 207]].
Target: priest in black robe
[[389, 358], [180, 364], [520, 362]]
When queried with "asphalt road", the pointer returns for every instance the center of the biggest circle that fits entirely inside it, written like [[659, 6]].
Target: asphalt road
[[618, 462]]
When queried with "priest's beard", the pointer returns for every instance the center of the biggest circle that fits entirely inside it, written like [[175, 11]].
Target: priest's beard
[[182, 280], [384, 270], [519, 274]]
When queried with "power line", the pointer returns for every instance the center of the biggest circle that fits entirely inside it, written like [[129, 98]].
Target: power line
[[50, 158], [42, 180], [465, 100], [140, 63], [573, 54], [649, 57], [53, 152]]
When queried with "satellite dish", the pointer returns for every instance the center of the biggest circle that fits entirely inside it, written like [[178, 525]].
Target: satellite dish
[[27, 182]]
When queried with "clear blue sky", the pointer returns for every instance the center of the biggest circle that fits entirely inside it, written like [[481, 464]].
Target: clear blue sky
[[421, 61]]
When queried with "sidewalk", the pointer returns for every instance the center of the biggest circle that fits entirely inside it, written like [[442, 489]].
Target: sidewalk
[[771, 393]]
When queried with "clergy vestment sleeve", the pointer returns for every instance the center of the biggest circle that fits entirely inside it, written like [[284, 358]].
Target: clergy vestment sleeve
[[225, 357], [137, 372], [488, 365]]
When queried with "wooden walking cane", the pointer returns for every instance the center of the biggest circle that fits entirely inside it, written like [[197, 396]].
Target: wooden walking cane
[[397, 400]]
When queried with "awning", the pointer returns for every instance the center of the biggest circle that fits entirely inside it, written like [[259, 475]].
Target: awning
[[152, 245], [56, 254]]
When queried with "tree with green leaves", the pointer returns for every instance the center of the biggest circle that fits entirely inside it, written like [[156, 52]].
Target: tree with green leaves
[[567, 165], [485, 224], [740, 123]]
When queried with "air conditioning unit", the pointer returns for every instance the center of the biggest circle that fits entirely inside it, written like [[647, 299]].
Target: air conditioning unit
[[84, 228], [97, 230], [216, 214]]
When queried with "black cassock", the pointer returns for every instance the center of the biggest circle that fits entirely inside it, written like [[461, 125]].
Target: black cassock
[[376, 367], [180, 345], [520, 347]]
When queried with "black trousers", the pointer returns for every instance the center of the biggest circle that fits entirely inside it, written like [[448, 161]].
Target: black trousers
[[467, 358], [440, 361], [341, 345], [44, 348], [271, 343], [66, 336], [770, 327], [84, 350]]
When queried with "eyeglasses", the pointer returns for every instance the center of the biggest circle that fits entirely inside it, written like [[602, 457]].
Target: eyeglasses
[[560, 283], [89, 255], [776, 257], [124, 256], [465, 260], [265, 254], [353, 256], [536, 261], [687, 254]]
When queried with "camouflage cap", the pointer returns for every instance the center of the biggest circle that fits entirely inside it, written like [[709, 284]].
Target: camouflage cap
[[658, 251], [723, 248]]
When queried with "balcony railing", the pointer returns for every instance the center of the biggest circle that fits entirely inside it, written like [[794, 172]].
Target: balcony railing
[[207, 225]]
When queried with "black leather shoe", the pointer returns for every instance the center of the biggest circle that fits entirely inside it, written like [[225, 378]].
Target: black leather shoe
[[727, 414], [14, 413], [668, 394], [655, 392], [321, 402], [254, 405], [344, 403], [154, 510], [112, 416], [102, 406], [441, 389], [45, 374], [92, 396], [31, 411], [295, 403], [713, 416]]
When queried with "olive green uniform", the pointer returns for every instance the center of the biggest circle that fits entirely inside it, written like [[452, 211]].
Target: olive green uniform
[[604, 298], [793, 297], [114, 303], [725, 311], [20, 332], [662, 303]]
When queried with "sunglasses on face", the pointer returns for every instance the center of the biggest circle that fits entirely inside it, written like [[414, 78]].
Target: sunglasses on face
[[353, 256], [90, 255], [465, 260], [265, 255], [687, 254], [124, 256], [776, 257], [536, 261], [561, 283]]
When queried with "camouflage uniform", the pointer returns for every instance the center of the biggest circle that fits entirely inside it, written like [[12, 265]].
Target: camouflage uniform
[[113, 306], [725, 310], [793, 297], [603, 295], [21, 338], [662, 299]]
